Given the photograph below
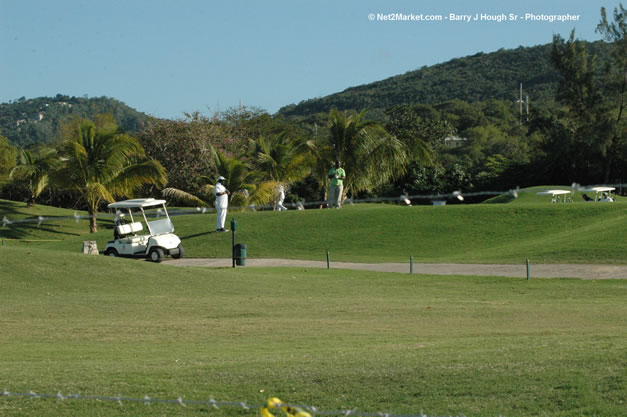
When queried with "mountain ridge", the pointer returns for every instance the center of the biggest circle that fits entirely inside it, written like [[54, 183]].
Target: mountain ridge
[[478, 77]]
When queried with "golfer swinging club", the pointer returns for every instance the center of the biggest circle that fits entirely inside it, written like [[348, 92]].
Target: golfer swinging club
[[222, 202]]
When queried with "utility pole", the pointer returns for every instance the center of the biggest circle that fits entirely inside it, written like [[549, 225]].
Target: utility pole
[[521, 103]]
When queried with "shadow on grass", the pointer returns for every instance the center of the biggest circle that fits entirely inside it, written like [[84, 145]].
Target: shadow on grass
[[11, 207], [22, 231], [31, 228], [198, 234]]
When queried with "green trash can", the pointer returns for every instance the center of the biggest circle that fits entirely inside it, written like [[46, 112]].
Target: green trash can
[[240, 254]]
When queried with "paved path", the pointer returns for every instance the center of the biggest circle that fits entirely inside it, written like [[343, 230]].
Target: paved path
[[519, 271]]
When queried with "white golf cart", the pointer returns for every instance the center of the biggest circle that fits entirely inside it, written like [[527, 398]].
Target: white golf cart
[[160, 240], [558, 196], [601, 194]]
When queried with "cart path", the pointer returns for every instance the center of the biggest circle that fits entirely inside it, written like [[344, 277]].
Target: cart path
[[582, 271]]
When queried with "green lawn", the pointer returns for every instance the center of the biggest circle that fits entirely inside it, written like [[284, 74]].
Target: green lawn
[[529, 196], [56, 223], [334, 339], [483, 233]]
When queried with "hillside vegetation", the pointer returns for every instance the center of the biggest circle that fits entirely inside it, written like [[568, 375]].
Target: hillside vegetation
[[475, 78], [37, 120]]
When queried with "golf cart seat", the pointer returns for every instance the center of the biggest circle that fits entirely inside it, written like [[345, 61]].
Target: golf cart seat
[[127, 229]]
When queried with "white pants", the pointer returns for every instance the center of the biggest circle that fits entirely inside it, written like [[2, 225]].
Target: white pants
[[221, 211], [335, 196], [279, 204]]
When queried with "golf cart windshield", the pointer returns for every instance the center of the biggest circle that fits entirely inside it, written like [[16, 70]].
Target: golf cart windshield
[[159, 227]]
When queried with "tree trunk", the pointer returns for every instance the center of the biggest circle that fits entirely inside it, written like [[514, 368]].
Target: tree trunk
[[93, 227]]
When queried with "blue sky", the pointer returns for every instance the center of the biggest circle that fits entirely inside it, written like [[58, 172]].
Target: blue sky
[[167, 57]]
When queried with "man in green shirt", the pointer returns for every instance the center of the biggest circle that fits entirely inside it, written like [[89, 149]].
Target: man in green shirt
[[337, 176]]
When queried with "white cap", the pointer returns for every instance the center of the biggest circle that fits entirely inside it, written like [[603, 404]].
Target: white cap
[[221, 178]]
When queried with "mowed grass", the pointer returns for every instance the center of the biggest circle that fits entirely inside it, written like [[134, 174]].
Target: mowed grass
[[529, 196], [56, 223], [334, 339], [484, 233]]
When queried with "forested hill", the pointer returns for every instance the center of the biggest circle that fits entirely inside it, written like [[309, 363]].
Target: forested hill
[[479, 77], [35, 121], [474, 78]]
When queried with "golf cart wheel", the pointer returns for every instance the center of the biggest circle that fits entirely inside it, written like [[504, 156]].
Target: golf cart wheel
[[111, 252], [180, 253], [156, 255]]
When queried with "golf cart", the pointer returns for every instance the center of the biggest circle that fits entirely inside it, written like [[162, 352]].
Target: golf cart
[[558, 196], [160, 240], [601, 194]]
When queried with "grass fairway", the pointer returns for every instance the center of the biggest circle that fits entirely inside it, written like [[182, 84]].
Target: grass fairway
[[486, 233], [58, 223], [330, 338]]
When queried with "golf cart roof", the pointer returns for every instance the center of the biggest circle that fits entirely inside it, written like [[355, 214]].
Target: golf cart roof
[[597, 189], [553, 192], [137, 203]]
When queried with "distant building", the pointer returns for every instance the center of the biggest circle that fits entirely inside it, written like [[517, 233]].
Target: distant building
[[454, 141], [37, 116]]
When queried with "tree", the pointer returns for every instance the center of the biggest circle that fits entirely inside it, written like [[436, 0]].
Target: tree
[[369, 154], [419, 128], [183, 147], [461, 114], [586, 118], [246, 185], [103, 163], [596, 99], [8, 157], [36, 169], [584, 140], [589, 116], [281, 158], [616, 81]]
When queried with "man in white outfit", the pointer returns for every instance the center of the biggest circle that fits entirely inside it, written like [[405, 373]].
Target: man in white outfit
[[222, 202], [280, 198]]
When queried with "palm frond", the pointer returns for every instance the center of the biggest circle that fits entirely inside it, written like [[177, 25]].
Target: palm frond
[[133, 176], [40, 186], [184, 197], [96, 192], [264, 193], [22, 171]]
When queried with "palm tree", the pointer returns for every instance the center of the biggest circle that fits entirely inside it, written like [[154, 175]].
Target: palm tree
[[102, 163], [36, 170], [369, 154], [247, 185], [282, 159]]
